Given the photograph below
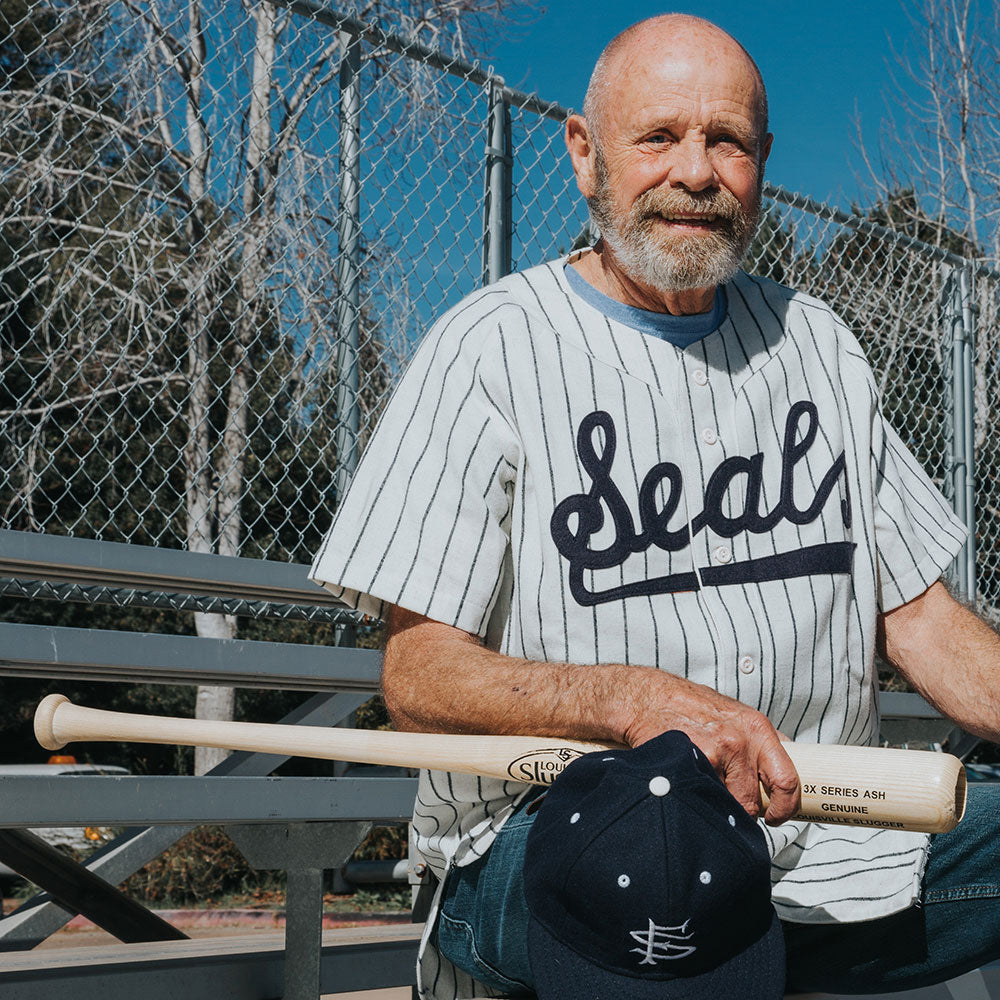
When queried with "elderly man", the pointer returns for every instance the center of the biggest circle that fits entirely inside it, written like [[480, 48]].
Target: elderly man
[[638, 490]]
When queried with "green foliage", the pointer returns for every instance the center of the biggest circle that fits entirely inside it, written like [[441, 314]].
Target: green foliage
[[894, 301], [205, 868], [27, 43], [381, 899], [773, 246], [202, 866], [384, 842], [205, 865]]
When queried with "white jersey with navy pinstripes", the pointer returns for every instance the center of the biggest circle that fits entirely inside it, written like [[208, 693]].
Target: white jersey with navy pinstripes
[[737, 512]]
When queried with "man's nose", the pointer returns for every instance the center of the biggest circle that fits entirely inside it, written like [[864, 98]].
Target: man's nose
[[692, 167]]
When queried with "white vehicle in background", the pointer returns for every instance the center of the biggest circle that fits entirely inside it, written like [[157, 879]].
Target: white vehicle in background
[[983, 772], [77, 838]]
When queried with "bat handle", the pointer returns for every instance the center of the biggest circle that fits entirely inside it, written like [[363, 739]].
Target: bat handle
[[45, 718]]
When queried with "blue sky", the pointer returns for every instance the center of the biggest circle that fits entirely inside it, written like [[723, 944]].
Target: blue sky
[[822, 61]]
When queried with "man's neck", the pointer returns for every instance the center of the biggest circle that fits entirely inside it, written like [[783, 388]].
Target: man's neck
[[600, 269]]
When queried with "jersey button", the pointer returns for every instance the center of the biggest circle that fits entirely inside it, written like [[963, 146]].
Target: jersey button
[[723, 553], [709, 436], [747, 665], [699, 376]]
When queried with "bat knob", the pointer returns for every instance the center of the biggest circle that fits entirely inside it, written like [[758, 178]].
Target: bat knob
[[45, 721]]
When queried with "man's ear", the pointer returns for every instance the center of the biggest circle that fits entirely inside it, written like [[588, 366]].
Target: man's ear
[[765, 149], [580, 144]]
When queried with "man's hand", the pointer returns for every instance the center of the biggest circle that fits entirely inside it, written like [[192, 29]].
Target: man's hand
[[739, 742], [437, 678]]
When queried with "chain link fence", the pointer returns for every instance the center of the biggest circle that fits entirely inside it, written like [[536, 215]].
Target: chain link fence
[[224, 228]]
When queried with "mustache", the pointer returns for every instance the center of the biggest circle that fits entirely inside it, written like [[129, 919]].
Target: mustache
[[674, 201]]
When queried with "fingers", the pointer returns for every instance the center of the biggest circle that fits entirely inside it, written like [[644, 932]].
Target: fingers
[[780, 781], [739, 772], [750, 756]]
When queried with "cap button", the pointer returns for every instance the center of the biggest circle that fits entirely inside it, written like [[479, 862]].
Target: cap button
[[659, 785]]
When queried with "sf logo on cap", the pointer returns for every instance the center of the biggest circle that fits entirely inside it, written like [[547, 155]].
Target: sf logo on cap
[[663, 942]]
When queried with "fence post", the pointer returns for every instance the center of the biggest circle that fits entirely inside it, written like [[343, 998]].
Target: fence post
[[348, 410], [968, 326], [962, 394], [348, 263], [497, 217]]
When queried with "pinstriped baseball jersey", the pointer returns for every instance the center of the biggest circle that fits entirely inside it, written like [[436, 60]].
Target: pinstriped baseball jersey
[[736, 512]]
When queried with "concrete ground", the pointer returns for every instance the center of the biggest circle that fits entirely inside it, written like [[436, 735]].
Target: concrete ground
[[93, 937], [96, 938], [83, 934], [403, 993]]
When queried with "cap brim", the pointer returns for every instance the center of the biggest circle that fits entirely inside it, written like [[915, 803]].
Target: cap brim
[[560, 973]]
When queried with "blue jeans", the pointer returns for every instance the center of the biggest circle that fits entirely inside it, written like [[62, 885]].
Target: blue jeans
[[955, 928]]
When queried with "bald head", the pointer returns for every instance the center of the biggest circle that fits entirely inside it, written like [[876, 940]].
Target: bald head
[[645, 42]]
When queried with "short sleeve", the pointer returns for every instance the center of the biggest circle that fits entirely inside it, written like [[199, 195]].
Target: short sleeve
[[917, 534], [425, 522]]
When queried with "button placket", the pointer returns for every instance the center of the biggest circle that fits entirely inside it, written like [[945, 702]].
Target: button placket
[[706, 438], [722, 554]]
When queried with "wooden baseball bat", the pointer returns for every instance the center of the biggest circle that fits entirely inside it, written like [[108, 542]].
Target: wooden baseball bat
[[856, 786]]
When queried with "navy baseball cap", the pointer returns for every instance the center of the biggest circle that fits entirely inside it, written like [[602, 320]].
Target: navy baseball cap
[[646, 880]]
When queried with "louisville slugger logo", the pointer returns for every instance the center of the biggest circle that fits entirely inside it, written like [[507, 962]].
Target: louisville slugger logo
[[542, 767], [588, 511]]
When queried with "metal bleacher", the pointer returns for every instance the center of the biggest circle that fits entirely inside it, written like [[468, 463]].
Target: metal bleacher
[[301, 825]]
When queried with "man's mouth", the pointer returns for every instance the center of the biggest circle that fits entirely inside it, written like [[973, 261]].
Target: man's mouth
[[685, 220], [689, 220]]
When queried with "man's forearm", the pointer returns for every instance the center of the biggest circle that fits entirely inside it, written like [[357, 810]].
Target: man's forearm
[[437, 681], [950, 656], [436, 678]]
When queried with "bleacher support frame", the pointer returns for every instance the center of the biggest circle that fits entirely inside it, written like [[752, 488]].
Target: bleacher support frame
[[312, 824]]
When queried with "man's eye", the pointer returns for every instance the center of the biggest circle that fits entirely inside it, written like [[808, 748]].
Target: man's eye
[[658, 138]]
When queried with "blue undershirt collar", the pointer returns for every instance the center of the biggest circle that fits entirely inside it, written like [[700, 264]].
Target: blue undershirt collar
[[681, 331]]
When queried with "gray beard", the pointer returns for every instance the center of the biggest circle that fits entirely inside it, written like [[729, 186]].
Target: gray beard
[[678, 263]]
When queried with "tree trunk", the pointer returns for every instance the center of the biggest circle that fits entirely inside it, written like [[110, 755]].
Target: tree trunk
[[202, 512], [230, 457]]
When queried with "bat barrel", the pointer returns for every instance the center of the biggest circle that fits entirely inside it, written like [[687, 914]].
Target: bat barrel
[[880, 787]]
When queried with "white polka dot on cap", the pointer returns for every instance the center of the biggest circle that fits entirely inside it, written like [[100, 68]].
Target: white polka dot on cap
[[659, 785]]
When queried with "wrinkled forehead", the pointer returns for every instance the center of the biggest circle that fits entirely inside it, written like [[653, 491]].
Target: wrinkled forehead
[[676, 60], [695, 87]]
